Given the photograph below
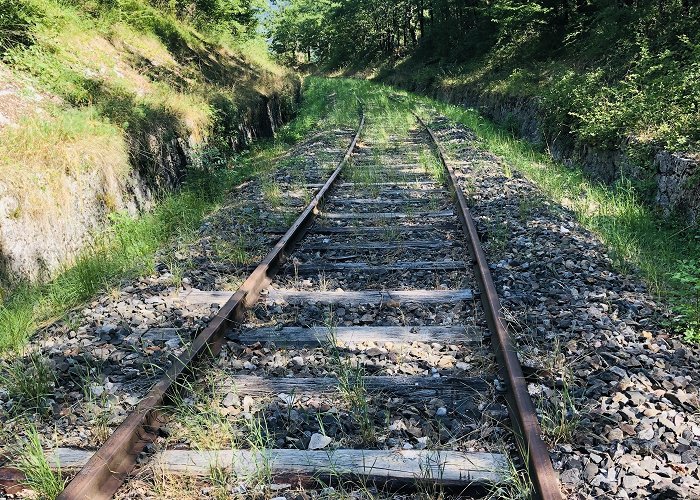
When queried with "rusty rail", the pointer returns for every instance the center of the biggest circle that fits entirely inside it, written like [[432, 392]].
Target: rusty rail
[[520, 406], [109, 467]]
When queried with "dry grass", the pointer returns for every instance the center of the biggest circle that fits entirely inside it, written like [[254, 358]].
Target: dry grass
[[41, 160]]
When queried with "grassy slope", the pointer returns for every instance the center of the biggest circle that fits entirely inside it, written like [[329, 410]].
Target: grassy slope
[[92, 84], [116, 75]]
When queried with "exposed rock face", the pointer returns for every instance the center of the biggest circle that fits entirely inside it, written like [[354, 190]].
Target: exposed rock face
[[677, 187], [33, 248]]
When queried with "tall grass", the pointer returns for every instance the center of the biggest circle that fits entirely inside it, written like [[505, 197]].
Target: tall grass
[[39, 476]]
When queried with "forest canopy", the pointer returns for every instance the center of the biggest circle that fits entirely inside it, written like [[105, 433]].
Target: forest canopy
[[337, 32]]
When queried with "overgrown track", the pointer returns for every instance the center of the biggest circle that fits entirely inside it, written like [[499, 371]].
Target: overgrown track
[[370, 273]]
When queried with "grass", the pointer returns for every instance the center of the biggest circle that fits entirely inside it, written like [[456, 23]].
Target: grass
[[29, 383], [351, 384], [199, 418], [516, 482], [259, 440], [39, 475], [432, 166], [128, 248]]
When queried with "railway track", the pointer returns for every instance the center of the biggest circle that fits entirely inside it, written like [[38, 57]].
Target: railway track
[[384, 265]]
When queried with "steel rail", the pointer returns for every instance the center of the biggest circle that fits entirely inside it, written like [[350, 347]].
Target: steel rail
[[521, 409], [109, 467]]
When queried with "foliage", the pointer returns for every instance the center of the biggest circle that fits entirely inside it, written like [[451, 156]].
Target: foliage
[[39, 477], [603, 70], [29, 383], [16, 20], [127, 248], [687, 275]]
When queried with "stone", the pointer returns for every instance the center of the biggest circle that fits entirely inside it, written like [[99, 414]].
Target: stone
[[319, 441], [421, 443], [287, 399], [231, 399], [590, 471], [615, 435], [570, 476], [646, 434], [630, 482], [375, 351]]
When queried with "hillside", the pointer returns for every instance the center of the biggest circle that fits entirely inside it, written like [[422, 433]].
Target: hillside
[[105, 105]]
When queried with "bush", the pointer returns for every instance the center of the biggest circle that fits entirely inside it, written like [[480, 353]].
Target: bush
[[16, 21]]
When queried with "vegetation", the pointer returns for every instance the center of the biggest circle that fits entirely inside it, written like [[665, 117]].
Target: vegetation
[[97, 91], [129, 247], [604, 70], [29, 383], [39, 476]]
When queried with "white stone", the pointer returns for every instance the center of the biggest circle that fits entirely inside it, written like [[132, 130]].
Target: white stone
[[319, 441], [288, 399]]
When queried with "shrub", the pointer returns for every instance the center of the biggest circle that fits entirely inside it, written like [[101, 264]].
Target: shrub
[[16, 20]]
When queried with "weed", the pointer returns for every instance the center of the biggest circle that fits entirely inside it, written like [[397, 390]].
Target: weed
[[432, 166], [432, 469], [98, 408], [176, 268], [259, 440], [272, 193], [199, 418], [39, 475], [559, 415], [497, 235], [231, 251], [516, 483], [220, 478], [351, 384], [29, 383], [527, 207]]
